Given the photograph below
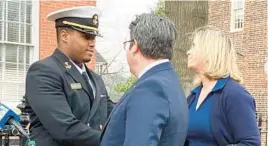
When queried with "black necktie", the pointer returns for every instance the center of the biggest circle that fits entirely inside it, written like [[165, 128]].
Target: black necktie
[[84, 74]]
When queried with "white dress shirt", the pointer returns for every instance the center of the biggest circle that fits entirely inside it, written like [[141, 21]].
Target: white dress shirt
[[151, 66], [83, 69]]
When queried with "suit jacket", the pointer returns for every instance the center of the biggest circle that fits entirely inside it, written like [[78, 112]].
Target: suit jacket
[[232, 117], [152, 113], [61, 107]]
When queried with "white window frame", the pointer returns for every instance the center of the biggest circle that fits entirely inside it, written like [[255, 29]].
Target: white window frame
[[100, 67], [35, 29], [232, 22], [34, 44]]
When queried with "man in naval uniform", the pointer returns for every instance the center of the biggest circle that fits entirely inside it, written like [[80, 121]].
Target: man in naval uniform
[[68, 102]]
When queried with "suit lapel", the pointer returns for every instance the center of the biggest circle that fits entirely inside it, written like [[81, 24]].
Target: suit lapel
[[71, 69]]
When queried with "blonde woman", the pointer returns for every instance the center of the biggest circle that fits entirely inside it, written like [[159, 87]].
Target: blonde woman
[[221, 111]]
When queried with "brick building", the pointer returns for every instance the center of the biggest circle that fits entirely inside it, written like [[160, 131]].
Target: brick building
[[26, 36], [246, 22]]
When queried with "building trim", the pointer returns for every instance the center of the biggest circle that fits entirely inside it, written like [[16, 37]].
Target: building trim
[[35, 29]]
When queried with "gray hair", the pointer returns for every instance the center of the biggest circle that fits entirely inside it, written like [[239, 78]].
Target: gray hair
[[155, 35]]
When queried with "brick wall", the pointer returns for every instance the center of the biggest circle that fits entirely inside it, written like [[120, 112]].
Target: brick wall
[[251, 42], [47, 31], [220, 16], [255, 48]]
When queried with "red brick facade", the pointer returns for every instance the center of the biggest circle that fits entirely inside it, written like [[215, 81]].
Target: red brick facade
[[47, 31], [251, 42]]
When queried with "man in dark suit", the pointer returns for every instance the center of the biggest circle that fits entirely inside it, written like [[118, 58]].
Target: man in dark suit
[[154, 111], [68, 103]]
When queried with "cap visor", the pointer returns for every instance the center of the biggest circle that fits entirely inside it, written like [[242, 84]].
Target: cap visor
[[95, 33]]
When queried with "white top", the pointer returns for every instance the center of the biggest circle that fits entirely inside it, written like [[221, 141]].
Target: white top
[[151, 66], [81, 70]]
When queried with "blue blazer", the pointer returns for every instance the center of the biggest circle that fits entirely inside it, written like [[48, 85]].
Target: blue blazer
[[233, 118], [153, 112]]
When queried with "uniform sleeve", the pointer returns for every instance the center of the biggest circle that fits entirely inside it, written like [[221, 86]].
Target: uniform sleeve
[[110, 103], [241, 118], [110, 106], [44, 93], [147, 113]]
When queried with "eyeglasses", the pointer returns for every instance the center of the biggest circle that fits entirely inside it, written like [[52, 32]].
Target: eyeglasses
[[128, 44]]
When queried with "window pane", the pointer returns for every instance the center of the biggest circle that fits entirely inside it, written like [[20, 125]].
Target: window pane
[[22, 33], [1, 52], [21, 54], [9, 91], [13, 11], [11, 72], [28, 34], [1, 69], [28, 13], [240, 4], [29, 2], [240, 12], [5, 28], [1, 9], [13, 32], [238, 18], [1, 18], [4, 9], [17, 11], [235, 25], [11, 53], [22, 11], [22, 72], [27, 67], [14, 75], [28, 54], [1, 33], [21, 90], [1, 64], [1, 49]]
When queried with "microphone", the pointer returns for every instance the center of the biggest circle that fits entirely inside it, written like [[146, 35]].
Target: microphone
[[9, 117]]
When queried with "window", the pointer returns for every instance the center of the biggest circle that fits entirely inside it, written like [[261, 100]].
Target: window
[[101, 68], [237, 20], [16, 48]]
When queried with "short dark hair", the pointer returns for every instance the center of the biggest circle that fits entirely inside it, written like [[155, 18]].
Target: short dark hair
[[59, 29], [155, 35]]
